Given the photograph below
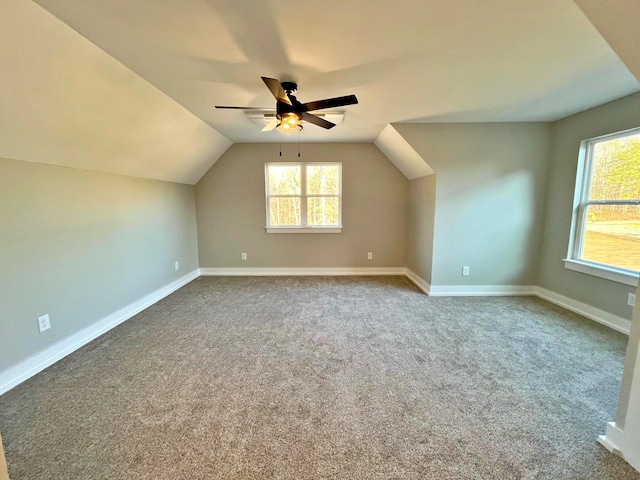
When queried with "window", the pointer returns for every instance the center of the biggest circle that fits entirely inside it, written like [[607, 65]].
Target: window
[[303, 197], [606, 221]]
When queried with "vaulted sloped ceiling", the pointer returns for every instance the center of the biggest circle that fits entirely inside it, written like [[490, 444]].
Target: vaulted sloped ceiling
[[408, 61], [618, 23], [402, 154], [64, 101], [130, 86]]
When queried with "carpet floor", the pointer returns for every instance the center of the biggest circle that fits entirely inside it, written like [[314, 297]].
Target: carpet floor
[[325, 378]]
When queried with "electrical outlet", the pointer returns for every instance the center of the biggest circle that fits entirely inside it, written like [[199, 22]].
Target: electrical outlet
[[44, 323], [243, 255], [631, 299], [177, 265], [465, 271], [369, 255]]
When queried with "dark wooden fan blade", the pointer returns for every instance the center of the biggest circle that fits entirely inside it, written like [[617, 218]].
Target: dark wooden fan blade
[[245, 108], [329, 103], [321, 122], [276, 89]]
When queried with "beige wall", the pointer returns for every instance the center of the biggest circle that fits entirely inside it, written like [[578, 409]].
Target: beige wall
[[230, 201], [629, 410], [567, 135], [490, 199], [421, 211], [630, 370], [625, 434], [80, 245]]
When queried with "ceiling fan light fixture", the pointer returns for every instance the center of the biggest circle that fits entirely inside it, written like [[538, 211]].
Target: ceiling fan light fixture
[[286, 128], [289, 122]]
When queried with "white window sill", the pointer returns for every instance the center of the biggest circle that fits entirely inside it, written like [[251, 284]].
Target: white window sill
[[304, 229], [610, 273]]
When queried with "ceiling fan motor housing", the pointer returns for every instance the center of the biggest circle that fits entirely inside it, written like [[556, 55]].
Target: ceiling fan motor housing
[[289, 86], [284, 108], [295, 107]]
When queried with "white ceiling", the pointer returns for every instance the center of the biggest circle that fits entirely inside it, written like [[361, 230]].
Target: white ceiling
[[130, 87], [407, 61]]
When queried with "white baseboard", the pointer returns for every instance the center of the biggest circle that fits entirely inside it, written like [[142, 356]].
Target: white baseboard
[[17, 374], [612, 439], [262, 272], [26, 369], [481, 290], [420, 282], [619, 324]]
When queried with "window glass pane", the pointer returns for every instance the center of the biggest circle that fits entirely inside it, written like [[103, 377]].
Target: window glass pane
[[284, 211], [323, 180], [284, 180], [612, 235], [615, 171], [323, 211]]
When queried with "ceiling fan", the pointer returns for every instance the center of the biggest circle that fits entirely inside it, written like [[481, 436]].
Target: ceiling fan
[[290, 112]]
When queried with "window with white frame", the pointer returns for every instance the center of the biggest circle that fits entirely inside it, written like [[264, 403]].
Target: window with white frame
[[303, 197], [605, 237]]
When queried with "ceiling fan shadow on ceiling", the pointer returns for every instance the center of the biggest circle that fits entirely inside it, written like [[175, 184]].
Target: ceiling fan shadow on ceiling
[[289, 112]]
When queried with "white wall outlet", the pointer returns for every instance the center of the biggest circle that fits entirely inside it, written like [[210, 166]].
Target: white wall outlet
[[177, 265], [465, 271], [44, 323], [631, 299], [369, 255], [243, 255]]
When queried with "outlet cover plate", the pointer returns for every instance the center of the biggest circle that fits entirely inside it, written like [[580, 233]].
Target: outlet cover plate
[[44, 323]]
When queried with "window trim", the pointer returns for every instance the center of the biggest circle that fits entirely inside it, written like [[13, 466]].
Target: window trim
[[304, 228], [626, 277], [578, 220]]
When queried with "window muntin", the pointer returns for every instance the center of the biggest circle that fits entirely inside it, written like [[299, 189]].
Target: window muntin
[[303, 196], [607, 214]]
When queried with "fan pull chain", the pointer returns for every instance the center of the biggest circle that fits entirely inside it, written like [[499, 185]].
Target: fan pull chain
[[298, 144], [280, 140]]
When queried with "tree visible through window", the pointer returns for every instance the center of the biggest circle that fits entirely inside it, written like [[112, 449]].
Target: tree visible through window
[[608, 223], [300, 195]]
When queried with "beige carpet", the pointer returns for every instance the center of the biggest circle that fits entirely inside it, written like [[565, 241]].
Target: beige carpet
[[325, 378]]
